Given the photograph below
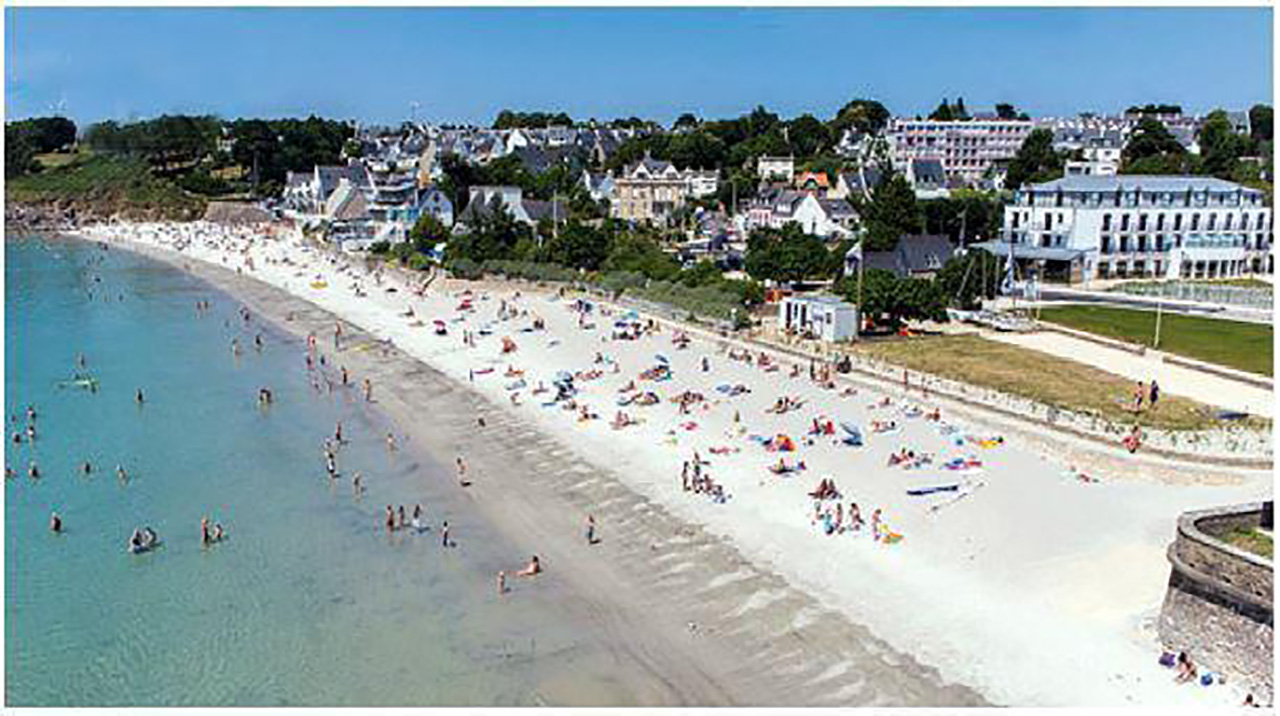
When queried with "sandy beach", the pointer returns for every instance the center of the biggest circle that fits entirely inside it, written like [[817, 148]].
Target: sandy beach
[[1022, 582]]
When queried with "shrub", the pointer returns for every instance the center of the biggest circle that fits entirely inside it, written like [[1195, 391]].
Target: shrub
[[380, 247], [464, 268]]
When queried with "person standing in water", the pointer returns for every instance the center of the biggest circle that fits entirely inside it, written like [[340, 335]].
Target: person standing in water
[[502, 583], [55, 523], [337, 432], [205, 538], [391, 520], [139, 398]]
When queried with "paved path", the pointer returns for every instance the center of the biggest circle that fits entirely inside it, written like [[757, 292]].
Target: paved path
[[1174, 379]]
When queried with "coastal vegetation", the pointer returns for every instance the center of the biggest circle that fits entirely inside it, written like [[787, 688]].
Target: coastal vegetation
[[1058, 382], [1235, 344], [104, 186]]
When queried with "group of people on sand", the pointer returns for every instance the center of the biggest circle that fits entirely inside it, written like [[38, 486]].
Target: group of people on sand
[[694, 479]]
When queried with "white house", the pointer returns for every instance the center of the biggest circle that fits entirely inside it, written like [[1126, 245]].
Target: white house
[[776, 167], [823, 317]]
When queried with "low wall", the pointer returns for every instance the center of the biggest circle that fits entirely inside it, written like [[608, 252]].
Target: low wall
[[1219, 606]]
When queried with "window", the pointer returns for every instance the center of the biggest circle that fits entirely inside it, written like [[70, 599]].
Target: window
[[1142, 243], [1106, 244], [1177, 222], [1106, 222], [1159, 242], [1142, 222], [1124, 244], [1195, 221], [1213, 220], [1016, 217], [1227, 224], [1160, 222]]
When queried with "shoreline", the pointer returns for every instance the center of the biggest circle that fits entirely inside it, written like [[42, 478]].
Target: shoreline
[[641, 612], [983, 635]]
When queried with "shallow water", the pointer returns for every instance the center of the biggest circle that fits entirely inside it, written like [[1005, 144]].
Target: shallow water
[[308, 601]]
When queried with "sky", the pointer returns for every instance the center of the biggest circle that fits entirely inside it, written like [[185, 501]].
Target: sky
[[464, 65]]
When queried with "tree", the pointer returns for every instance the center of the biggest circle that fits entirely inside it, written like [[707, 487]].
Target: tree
[[1151, 140], [891, 213], [943, 112], [864, 116], [1153, 109], [686, 121], [579, 246], [1036, 161], [639, 253], [966, 278], [807, 135], [1260, 129], [892, 300], [787, 255], [1220, 146], [19, 153], [428, 231], [977, 215]]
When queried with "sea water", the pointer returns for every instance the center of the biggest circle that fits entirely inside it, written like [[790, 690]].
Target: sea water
[[308, 600]]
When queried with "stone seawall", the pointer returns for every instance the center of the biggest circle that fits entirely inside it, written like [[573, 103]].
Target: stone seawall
[[1219, 606]]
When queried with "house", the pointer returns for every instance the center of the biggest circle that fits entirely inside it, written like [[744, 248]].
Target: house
[[702, 183], [928, 178], [770, 168], [434, 202], [777, 207], [649, 190], [812, 181], [823, 317], [599, 185], [966, 148], [484, 199], [850, 184], [914, 256]]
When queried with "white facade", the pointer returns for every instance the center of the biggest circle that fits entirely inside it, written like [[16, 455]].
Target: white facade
[[776, 167], [966, 148], [1153, 226], [824, 317]]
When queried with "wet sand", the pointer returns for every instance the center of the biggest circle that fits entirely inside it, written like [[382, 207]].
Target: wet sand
[[685, 619]]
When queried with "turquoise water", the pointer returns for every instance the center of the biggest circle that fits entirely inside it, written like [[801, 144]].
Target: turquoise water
[[308, 601]]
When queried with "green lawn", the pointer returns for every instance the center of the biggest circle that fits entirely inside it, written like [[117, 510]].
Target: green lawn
[[1065, 384], [1244, 346]]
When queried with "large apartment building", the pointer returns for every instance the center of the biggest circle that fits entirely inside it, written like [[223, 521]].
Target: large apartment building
[[1140, 226], [965, 148]]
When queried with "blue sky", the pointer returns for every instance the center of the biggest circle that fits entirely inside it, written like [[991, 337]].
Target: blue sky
[[463, 65]]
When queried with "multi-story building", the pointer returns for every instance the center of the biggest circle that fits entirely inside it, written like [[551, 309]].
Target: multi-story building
[[650, 190], [1084, 227], [966, 148]]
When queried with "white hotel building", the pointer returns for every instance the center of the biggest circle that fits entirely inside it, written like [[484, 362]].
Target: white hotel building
[[1086, 227], [966, 148]]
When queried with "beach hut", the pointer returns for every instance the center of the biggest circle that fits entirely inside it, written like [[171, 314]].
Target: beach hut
[[824, 317]]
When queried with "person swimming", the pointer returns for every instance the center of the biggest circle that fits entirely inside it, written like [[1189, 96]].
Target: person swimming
[[121, 475], [86, 468], [33, 470]]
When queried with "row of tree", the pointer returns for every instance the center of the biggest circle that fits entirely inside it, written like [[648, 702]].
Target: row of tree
[[24, 139]]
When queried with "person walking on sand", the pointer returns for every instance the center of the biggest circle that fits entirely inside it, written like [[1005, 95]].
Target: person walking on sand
[[337, 334], [502, 582], [345, 378], [444, 535], [591, 529], [462, 472], [1153, 394], [368, 390], [391, 442]]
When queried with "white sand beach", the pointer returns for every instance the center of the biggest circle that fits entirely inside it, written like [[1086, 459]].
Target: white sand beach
[[1024, 582]]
